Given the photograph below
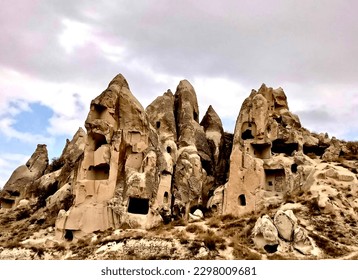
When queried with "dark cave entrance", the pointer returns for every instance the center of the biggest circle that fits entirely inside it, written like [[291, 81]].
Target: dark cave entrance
[[294, 168], [138, 205], [317, 150], [68, 235], [271, 248], [157, 124], [242, 200], [280, 147], [166, 198]]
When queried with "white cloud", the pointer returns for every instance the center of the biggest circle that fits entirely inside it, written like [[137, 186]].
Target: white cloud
[[6, 128], [66, 100], [75, 34], [226, 96]]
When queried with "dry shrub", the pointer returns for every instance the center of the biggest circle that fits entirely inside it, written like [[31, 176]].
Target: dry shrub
[[214, 222], [194, 229], [212, 241], [182, 236], [195, 246]]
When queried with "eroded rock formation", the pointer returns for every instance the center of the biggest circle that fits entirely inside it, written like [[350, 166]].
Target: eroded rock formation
[[269, 158], [23, 178], [139, 168]]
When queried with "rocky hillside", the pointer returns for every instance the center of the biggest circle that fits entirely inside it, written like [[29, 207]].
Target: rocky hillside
[[144, 183]]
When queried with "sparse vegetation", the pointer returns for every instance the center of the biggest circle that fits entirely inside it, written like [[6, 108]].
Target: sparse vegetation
[[193, 228], [213, 241], [56, 164]]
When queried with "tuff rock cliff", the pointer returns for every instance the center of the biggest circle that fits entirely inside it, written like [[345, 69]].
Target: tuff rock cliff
[[142, 168]]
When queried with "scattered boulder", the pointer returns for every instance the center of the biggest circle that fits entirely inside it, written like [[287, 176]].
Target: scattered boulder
[[283, 233], [285, 222], [265, 234], [301, 241]]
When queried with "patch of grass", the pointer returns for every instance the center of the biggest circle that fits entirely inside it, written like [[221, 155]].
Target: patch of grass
[[228, 218], [241, 252], [214, 222], [162, 229], [329, 247], [278, 256]]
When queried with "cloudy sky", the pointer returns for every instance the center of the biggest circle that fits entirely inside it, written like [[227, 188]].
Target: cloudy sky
[[56, 56]]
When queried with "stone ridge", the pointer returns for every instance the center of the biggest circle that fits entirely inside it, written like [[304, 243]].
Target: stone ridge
[[139, 168]]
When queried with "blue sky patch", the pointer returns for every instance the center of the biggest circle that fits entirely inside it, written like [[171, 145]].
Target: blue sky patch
[[35, 120]]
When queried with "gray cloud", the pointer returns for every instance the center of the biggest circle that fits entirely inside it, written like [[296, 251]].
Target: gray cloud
[[253, 41], [306, 43]]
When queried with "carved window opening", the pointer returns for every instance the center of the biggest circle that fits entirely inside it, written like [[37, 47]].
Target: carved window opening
[[242, 200], [248, 130], [96, 140], [262, 151], [280, 147], [14, 193], [138, 205], [317, 150], [169, 149], [294, 168], [68, 235], [247, 134], [7, 203], [98, 172], [275, 179], [158, 124], [99, 111], [196, 207], [166, 198]]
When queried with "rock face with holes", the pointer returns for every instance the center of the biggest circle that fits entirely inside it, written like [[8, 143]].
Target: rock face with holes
[[117, 181], [137, 168], [143, 167], [269, 155], [23, 178]]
